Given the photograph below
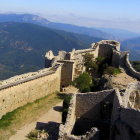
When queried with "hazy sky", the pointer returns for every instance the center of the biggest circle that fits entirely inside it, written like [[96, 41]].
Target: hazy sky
[[123, 14]]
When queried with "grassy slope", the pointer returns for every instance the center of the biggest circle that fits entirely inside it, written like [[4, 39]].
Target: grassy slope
[[23, 115]]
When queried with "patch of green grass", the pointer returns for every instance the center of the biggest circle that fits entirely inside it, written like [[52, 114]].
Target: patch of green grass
[[12, 121]]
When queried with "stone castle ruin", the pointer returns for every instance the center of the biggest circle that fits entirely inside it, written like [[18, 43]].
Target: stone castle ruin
[[109, 114]]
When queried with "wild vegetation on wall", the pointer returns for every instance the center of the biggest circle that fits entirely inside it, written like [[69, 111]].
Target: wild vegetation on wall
[[96, 68]]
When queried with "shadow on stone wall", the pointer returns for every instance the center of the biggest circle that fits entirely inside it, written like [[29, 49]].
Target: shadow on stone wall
[[99, 116]]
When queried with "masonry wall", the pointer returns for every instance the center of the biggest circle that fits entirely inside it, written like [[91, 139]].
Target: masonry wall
[[121, 59], [96, 52], [67, 73], [116, 58], [18, 95], [125, 122], [129, 69], [87, 104], [105, 50], [66, 129]]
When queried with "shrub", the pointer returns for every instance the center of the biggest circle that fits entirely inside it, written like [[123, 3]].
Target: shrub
[[38, 134], [33, 134], [83, 82], [95, 67]]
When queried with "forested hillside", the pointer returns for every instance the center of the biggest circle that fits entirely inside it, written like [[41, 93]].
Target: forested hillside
[[23, 46], [106, 33]]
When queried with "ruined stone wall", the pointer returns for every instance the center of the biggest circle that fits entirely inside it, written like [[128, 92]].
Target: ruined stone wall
[[65, 130], [116, 58], [121, 59], [87, 104], [105, 51], [129, 69], [96, 52], [28, 90], [125, 122], [67, 73], [106, 48]]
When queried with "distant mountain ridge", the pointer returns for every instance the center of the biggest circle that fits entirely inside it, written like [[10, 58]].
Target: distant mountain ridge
[[29, 18], [26, 18], [23, 46], [25, 38], [119, 33], [106, 33]]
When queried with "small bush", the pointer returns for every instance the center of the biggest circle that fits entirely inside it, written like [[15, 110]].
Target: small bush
[[33, 135], [112, 71], [38, 134], [95, 66], [83, 82]]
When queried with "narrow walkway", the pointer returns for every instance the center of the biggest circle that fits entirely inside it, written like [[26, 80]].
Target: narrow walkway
[[49, 121]]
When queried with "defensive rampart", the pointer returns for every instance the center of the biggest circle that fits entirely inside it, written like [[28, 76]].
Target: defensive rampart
[[128, 67], [18, 93], [121, 59]]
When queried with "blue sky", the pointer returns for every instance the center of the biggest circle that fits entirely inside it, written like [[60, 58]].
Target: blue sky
[[123, 14]]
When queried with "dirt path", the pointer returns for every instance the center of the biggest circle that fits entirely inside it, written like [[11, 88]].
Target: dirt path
[[49, 121]]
